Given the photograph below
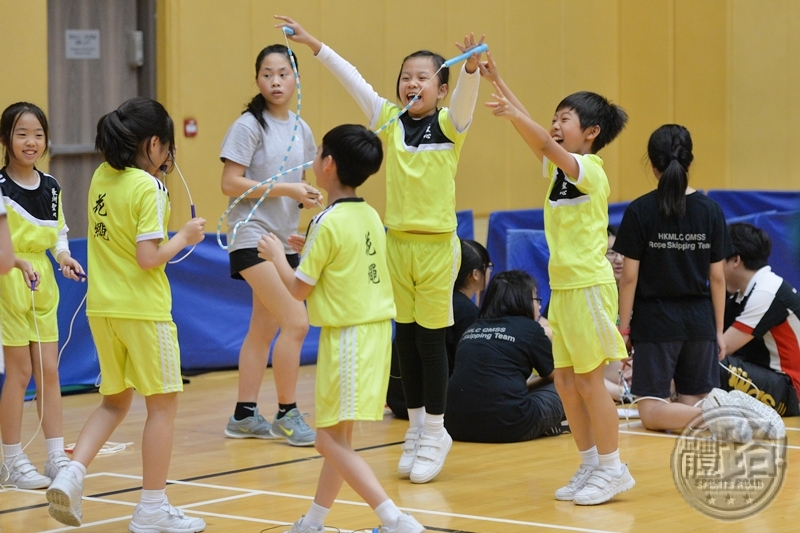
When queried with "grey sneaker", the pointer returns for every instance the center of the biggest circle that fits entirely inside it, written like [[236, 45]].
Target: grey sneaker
[[22, 474], [55, 464], [252, 427], [165, 519], [294, 429], [64, 496], [297, 529]]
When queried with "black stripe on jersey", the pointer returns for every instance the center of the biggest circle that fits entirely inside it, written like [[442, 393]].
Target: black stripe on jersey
[[565, 192], [160, 185], [424, 133], [40, 203]]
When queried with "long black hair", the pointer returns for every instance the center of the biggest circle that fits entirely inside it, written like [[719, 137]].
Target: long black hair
[[124, 134], [509, 294], [9, 121], [473, 257], [259, 104], [670, 152]]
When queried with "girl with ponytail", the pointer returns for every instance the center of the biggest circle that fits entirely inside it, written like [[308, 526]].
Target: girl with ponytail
[[672, 289]]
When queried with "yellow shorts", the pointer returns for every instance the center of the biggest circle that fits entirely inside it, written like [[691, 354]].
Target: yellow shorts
[[352, 372], [584, 327], [17, 315], [423, 270], [142, 354]]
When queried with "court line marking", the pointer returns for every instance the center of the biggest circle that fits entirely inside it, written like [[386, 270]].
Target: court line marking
[[255, 492], [666, 436]]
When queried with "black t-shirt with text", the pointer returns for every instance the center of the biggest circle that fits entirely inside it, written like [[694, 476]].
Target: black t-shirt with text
[[493, 362], [673, 300]]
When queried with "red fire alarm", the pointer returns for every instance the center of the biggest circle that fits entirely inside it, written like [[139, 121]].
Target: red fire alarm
[[189, 127]]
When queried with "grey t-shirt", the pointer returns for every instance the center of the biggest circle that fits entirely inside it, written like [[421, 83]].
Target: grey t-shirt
[[262, 153]]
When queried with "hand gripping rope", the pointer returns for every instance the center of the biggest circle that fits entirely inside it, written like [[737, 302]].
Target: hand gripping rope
[[272, 179]]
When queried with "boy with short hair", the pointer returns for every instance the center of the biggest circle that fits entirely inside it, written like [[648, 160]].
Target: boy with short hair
[[344, 275], [763, 337], [583, 305]]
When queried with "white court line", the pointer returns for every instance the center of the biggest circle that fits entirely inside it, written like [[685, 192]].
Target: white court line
[[252, 492], [665, 436]]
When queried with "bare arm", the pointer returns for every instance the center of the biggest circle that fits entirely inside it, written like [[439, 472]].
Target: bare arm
[[534, 135], [150, 254], [7, 257], [270, 248], [234, 184], [627, 290], [716, 278], [490, 72]]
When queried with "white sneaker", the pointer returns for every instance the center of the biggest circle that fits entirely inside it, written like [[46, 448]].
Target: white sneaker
[[406, 524], [409, 451], [723, 416], [576, 483], [431, 454], [64, 496], [768, 422], [297, 529], [22, 474], [55, 464], [165, 519], [603, 485]]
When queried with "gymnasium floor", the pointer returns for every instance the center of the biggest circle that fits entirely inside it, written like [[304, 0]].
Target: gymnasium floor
[[250, 486]]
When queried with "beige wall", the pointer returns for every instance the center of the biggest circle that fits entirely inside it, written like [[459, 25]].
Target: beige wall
[[727, 69], [23, 40]]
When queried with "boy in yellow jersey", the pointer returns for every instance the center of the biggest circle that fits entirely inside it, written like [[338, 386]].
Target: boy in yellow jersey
[[584, 301], [344, 275]]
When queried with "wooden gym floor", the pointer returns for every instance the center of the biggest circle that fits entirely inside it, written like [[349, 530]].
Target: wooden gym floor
[[250, 486]]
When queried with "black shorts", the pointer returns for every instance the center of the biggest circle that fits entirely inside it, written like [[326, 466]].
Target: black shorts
[[776, 389], [247, 257], [692, 364]]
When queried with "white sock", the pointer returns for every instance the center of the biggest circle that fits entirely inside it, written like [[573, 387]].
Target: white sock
[[315, 517], [153, 499], [611, 461], [55, 446], [78, 469], [388, 514], [434, 426], [590, 457], [11, 451], [416, 417]]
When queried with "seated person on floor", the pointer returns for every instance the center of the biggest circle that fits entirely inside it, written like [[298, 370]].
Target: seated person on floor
[[762, 325], [489, 398]]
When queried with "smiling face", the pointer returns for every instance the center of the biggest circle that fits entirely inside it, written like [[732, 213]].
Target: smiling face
[[416, 71], [28, 141], [566, 131], [276, 81]]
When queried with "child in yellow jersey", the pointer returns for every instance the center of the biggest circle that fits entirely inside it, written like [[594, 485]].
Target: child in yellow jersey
[[423, 147], [30, 295], [344, 275], [129, 306], [583, 305]]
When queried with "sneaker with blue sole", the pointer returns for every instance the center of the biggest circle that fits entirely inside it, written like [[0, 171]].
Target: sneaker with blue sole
[[294, 429]]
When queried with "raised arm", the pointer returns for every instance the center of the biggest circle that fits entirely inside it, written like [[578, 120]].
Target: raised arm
[[362, 92], [490, 72], [465, 95], [534, 135]]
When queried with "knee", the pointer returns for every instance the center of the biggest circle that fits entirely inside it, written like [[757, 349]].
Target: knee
[[117, 404], [296, 328]]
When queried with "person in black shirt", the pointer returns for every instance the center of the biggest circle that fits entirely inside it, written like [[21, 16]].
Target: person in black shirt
[[490, 397], [672, 290]]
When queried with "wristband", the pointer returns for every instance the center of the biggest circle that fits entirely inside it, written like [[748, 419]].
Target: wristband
[[626, 331]]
